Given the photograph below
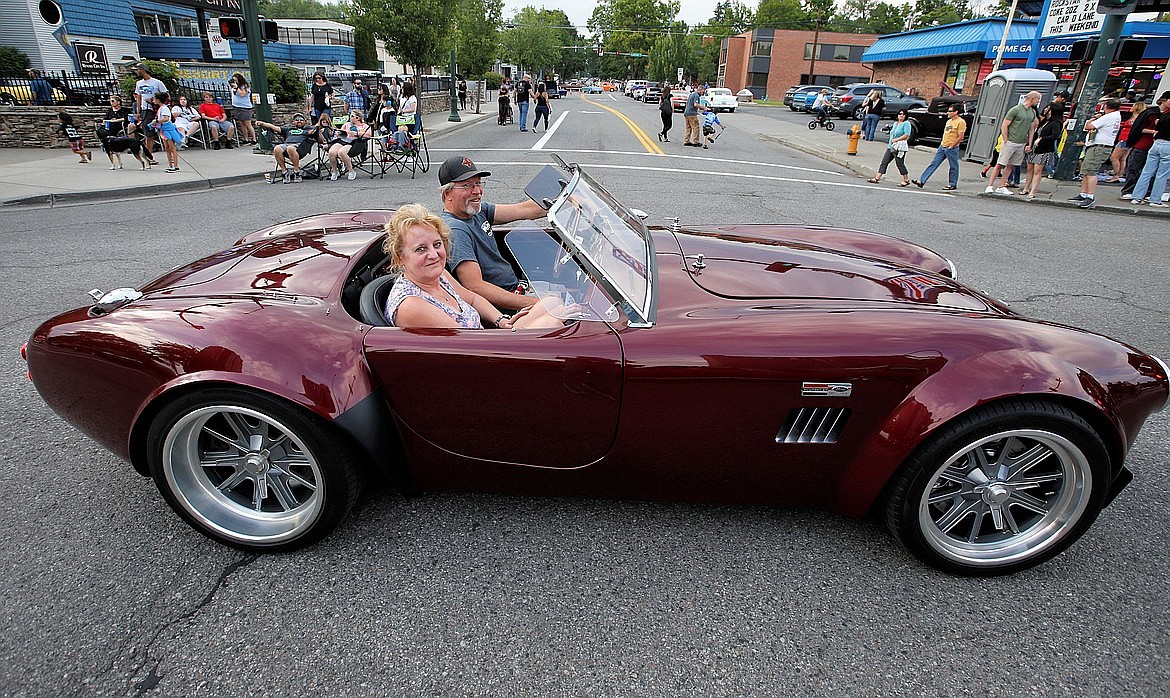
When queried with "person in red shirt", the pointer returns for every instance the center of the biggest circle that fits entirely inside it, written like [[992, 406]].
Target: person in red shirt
[[222, 130]]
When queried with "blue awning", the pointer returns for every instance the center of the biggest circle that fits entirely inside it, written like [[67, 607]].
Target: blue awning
[[973, 36]]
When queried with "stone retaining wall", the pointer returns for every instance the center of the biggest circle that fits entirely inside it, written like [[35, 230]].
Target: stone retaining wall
[[35, 127]]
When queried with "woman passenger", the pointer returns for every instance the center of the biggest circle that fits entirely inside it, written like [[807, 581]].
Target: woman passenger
[[426, 295]]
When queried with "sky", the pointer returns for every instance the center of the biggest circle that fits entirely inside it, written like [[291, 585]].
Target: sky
[[579, 11]]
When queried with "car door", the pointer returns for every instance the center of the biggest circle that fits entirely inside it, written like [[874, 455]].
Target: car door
[[546, 398]]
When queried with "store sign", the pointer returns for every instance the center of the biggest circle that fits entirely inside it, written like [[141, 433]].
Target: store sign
[[91, 58], [1072, 17], [220, 47]]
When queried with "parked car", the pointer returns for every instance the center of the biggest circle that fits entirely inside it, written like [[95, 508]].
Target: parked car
[[260, 387], [926, 123], [678, 99], [591, 89], [720, 99], [848, 98], [800, 97], [17, 91], [652, 92], [745, 96]]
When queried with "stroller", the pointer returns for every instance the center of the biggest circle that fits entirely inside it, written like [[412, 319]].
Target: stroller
[[506, 113]]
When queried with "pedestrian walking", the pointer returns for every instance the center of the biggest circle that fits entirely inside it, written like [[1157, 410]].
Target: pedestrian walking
[[693, 135], [666, 111], [1120, 155], [504, 106], [1156, 172], [874, 106], [543, 106], [66, 128], [144, 91], [1102, 134], [897, 149], [523, 93], [1019, 125], [948, 150], [1043, 146]]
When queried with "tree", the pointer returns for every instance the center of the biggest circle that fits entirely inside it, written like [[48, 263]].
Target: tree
[[885, 18], [13, 60], [933, 13], [629, 27], [671, 52], [478, 35], [732, 16], [300, 9], [416, 32], [365, 48], [782, 14], [533, 42], [285, 83]]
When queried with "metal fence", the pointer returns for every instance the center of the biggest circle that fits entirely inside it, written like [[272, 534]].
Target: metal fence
[[68, 88]]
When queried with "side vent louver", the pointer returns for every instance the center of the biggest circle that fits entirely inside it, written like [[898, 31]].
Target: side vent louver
[[813, 425]]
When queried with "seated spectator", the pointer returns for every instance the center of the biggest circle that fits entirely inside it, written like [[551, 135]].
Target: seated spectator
[[117, 120], [349, 143], [426, 295], [186, 118], [407, 118], [220, 128], [382, 113], [325, 131], [297, 143]]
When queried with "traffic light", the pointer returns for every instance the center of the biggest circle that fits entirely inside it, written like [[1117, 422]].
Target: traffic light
[[269, 30], [1115, 7], [232, 27]]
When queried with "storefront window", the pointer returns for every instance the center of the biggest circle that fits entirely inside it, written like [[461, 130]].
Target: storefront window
[[957, 73]]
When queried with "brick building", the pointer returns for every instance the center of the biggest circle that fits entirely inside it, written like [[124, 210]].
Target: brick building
[[769, 61]]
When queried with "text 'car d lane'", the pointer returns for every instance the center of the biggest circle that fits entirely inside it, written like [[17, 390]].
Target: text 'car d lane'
[[764, 364]]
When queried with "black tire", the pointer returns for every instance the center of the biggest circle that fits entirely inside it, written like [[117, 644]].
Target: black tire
[[252, 471], [978, 468], [792, 108], [812, 125], [829, 125], [913, 140]]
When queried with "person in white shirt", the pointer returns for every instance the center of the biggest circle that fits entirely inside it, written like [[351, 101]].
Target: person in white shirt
[[1101, 134]]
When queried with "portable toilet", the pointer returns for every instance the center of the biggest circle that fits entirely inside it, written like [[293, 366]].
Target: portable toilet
[[1001, 91]]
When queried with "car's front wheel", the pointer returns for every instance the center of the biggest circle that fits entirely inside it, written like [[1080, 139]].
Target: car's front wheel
[[1000, 490], [251, 471]]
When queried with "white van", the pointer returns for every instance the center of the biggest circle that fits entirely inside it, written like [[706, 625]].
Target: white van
[[632, 87]]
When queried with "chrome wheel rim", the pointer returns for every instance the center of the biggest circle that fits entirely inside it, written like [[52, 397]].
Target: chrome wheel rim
[[243, 474], [1005, 497]]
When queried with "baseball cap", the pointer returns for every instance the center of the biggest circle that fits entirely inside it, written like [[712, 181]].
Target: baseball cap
[[458, 168], [1063, 93]]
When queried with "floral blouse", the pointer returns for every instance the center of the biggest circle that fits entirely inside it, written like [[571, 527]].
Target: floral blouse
[[404, 288]]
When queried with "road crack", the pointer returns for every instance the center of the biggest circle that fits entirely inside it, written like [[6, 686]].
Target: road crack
[[153, 678]]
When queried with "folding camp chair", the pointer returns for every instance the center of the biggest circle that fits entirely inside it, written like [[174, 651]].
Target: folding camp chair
[[415, 156]]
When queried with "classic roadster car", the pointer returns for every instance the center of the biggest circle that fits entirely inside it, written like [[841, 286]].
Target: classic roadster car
[[770, 364]]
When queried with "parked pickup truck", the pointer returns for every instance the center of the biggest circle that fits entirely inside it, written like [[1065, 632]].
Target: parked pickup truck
[[926, 124]]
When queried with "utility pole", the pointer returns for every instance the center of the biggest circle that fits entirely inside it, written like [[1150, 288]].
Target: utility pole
[[1091, 91], [259, 74], [812, 64]]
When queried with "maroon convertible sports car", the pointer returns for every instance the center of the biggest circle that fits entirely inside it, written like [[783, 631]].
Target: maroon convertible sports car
[[779, 365]]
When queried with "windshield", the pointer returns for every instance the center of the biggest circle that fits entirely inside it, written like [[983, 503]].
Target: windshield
[[565, 289], [612, 245]]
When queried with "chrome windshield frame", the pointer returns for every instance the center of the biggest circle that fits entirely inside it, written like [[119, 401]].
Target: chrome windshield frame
[[638, 314]]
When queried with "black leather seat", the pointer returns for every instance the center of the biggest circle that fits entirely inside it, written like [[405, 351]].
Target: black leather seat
[[373, 300]]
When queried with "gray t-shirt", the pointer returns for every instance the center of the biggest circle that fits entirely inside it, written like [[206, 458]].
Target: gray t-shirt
[[692, 108], [472, 241]]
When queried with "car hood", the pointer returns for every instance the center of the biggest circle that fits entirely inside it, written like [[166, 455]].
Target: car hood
[[776, 263]]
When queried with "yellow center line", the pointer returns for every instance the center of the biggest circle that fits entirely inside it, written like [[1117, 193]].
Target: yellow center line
[[650, 146]]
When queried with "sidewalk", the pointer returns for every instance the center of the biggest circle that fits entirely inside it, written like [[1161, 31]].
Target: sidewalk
[[832, 146], [39, 176], [42, 176]]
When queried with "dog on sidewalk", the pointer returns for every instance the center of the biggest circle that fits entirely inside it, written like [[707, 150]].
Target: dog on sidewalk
[[116, 145]]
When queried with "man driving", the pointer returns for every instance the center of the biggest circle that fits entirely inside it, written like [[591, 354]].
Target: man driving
[[475, 259]]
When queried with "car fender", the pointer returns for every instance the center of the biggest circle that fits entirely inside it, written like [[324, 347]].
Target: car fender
[[954, 391]]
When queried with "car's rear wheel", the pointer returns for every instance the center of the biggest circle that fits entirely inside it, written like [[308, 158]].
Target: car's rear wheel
[[1000, 490], [251, 471]]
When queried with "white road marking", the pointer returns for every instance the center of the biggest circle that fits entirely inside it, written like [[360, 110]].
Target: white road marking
[[548, 132], [592, 112], [678, 170]]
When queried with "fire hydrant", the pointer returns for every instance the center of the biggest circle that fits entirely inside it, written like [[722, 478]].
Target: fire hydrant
[[854, 139]]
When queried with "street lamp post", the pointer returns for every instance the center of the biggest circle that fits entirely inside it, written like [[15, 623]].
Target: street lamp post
[[454, 116]]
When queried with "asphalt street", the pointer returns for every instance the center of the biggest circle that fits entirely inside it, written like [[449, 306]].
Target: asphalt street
[[107, 592]]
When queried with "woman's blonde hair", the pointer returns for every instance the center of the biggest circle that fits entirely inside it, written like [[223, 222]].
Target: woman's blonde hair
[[404, 219]]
